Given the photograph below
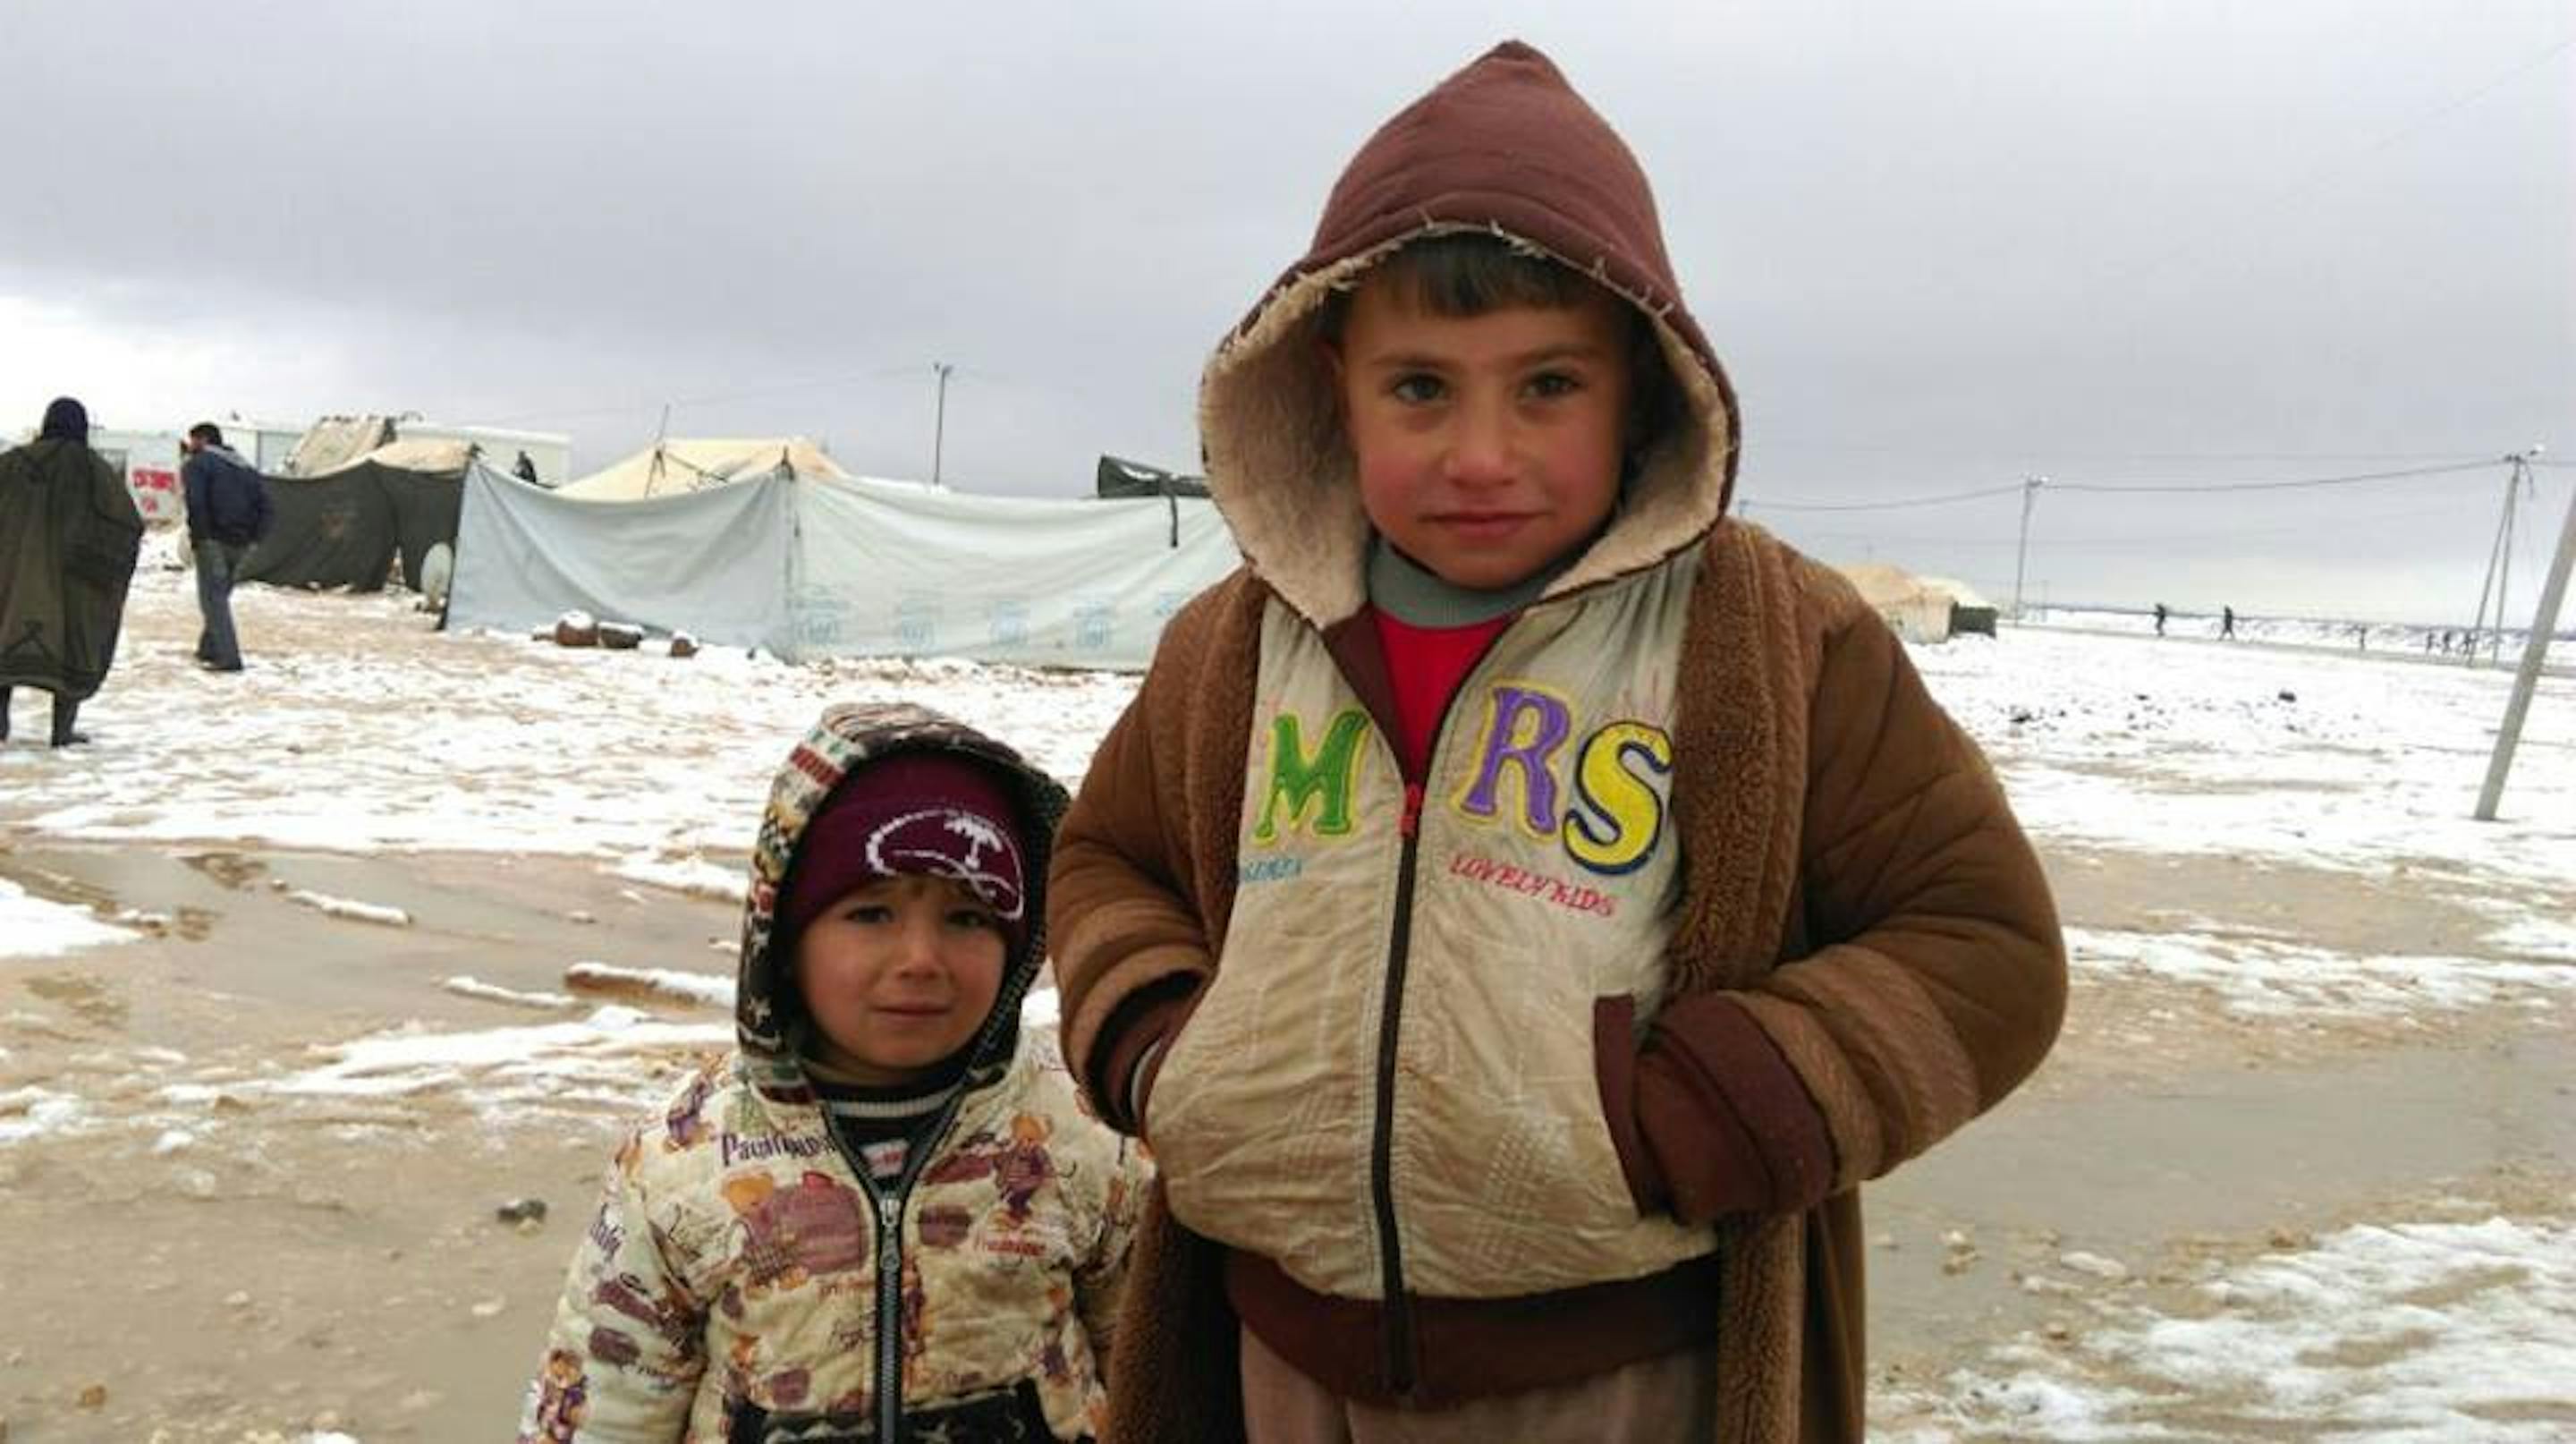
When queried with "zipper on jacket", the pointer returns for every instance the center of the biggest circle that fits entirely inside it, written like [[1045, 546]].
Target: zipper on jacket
[[1390, 1251], [1399, 1339], [885, 1210], [889, 1221]]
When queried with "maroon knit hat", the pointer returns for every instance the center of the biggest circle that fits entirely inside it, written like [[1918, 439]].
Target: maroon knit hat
[[932, 813]]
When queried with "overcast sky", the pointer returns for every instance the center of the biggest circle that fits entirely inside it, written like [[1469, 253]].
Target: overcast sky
[[1941, 245]]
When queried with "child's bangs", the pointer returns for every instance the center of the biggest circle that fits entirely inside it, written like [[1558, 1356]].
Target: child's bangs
[[1469, 273]]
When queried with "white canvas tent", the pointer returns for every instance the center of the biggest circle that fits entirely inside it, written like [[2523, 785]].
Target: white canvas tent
[[433, 453], [337, 441], [1921, 609], [676, 466], [808, 568]]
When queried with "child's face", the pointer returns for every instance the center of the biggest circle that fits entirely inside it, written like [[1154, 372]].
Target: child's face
[[898, 974], [1490, 445]]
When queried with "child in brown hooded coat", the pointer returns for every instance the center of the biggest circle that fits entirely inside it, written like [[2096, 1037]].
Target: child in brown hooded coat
[[1524, 903]]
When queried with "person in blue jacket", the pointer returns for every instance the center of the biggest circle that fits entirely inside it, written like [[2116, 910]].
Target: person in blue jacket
[[228, 513]]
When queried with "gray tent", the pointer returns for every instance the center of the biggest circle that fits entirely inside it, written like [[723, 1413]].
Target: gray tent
[[807, 567]]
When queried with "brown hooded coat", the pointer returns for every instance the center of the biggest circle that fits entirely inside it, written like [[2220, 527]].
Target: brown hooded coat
[[1865, 954]]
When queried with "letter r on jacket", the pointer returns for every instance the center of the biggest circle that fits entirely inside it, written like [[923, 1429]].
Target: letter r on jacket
[[1523, 729]]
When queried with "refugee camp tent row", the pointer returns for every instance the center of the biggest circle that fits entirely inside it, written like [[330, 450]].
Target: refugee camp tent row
[[808, 567], [354, 498]]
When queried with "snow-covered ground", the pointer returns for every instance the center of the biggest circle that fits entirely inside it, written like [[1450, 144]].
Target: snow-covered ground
[[35, 928], [476, 744], [384, 736], [2449, 643], [2434, 1332], [357, 731], [2319, 759]]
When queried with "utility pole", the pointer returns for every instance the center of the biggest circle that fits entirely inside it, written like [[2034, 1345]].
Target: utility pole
[[2021, 562], [2535, 651], [2519, 477], [939, 425], [2499, 560]]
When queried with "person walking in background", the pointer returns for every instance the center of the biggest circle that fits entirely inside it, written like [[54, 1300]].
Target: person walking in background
[[2227, 623], [228, 512], [69, 534], [2160, 619]]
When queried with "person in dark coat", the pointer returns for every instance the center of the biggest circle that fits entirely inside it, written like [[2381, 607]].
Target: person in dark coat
[[2227, 622], [2160, 619], [69, 535], [228, 512]]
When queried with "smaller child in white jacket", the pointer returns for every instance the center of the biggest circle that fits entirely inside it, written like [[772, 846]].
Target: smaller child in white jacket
[[882, 1216]]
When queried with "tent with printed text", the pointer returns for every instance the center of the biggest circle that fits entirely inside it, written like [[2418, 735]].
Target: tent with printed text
[[811, 567]]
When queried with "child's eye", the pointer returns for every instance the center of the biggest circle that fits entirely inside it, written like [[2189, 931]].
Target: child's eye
[[973, 918], [1554, 383], [1417, 388], [871, 913]]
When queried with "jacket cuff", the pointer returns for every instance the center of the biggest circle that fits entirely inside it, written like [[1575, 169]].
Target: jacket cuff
[[1134, 1039], [1726, 1123]]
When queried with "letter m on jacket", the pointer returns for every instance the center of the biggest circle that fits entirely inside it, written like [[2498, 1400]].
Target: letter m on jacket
[[1319, 784]]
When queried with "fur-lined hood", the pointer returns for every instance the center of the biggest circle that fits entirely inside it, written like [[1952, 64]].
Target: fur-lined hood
[[1506, 147]]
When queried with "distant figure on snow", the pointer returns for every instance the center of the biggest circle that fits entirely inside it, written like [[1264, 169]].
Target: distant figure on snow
[[2160, 619], [2227, 622], [69, 534], [228, 511], [524, 469]]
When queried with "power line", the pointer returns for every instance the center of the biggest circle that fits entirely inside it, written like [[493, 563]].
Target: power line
[[2140, 487], [1751, 503], [2353, 480], [2133, 540], [2026, 456]]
